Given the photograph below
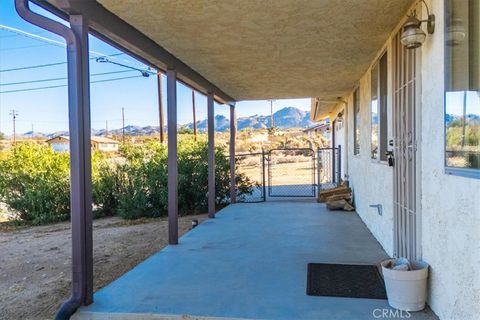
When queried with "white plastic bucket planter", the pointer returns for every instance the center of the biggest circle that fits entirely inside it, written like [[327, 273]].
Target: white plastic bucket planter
[[406, 290]]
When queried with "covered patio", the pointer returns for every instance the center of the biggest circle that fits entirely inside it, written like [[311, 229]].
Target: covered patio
[[248, 263], [251, 261]]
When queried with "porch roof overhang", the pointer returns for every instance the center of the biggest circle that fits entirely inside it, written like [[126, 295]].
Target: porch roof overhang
[[247, 50]]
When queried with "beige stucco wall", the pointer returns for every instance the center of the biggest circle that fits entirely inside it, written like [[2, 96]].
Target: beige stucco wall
[[371, 181], [450, 205]]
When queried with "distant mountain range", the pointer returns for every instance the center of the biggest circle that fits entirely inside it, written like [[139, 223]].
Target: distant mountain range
[[472, 119], [286, 118]]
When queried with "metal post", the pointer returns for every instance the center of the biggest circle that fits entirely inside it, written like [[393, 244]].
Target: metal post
[[76, 38], [333, 150], [80, 161], [264, 188], [211, 155], [172, 157], [233, 132], [160, 107], [194, 116], [319, 182], [339, 172]]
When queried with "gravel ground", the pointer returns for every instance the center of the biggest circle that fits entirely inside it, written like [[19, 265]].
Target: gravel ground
[[35, 267]]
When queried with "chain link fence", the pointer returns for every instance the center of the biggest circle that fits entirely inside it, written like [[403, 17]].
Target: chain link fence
[[252, 165], [290, 172]]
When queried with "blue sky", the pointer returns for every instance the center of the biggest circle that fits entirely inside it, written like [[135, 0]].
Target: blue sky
[[47, 110]]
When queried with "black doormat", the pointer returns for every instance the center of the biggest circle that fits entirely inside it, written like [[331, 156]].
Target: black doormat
[[345, 280]]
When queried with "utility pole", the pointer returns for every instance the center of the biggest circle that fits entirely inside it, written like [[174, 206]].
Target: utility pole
[[106, 128], [32, 131], [123, 125], [271, 114], [14, 114], [464, 117], [194, 117], [160, 106]]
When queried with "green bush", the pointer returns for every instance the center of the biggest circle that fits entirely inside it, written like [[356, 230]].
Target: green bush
[[143, 179], [34, 181]]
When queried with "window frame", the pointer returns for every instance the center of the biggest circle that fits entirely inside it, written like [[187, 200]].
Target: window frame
[[454, 171], [380, 105], [356, 113]]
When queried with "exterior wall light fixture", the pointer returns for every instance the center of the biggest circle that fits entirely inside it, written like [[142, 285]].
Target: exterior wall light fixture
[[413, 36], [455, 32], [339, 117]]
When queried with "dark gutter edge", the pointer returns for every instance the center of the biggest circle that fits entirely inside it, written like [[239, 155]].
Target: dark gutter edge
[[109, 28]]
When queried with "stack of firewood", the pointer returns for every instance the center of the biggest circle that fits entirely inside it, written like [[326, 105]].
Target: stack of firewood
[[339, 198]]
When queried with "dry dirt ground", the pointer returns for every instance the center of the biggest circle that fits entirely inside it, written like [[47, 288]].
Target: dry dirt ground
[[35, 262]]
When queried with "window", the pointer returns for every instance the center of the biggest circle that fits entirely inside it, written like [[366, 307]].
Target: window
[[379, 134], [356, 122], [462, 87]]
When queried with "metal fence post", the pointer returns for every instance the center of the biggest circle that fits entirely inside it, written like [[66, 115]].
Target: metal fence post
[[319, 183], [263, 176], [339, 172]]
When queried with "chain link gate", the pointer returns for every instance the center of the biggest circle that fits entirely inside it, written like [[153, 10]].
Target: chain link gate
[[288, 172], [291, 172]]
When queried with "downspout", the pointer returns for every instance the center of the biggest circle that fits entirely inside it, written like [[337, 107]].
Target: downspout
[[22, 7]]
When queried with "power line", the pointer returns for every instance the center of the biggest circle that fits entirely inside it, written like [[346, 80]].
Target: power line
[[48, 40], [23, 47], [51, 64], [34, 67], [64, 85], [62, 78], [17, 35]]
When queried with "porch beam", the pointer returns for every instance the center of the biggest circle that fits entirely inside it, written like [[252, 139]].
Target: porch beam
[[172, 156], [211, 155], [233, 133]]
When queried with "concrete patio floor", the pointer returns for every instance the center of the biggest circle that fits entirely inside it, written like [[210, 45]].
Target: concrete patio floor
[[248, 263]]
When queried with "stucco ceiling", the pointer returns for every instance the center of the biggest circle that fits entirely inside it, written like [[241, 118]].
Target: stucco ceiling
[[269, 49]]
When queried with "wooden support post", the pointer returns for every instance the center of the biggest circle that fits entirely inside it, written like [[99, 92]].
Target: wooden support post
[[172, 157], [211, 155]]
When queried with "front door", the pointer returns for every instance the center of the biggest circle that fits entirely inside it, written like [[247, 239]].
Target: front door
[[405, 137]]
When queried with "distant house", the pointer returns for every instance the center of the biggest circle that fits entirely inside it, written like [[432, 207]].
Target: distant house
[[62, 144], [322, 128]]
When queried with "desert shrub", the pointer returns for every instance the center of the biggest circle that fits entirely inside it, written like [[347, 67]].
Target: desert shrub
[[144, 176], [142, 181], [105, 189], [34, 183]]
